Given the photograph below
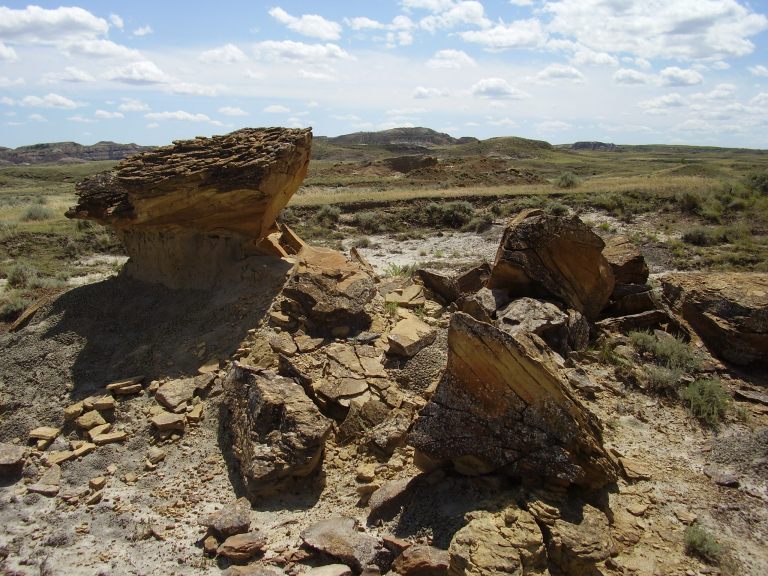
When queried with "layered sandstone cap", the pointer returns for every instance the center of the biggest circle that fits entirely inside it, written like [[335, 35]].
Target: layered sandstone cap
[[237, 182]]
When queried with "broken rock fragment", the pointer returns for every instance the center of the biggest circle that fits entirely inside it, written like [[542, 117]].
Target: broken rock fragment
[[276, 432], [11, 460], [339, 538], [503, 404]]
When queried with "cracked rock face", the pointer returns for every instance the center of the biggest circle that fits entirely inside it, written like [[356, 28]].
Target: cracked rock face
[[504, 405], [274, 429], [186, 211], [541, 254]]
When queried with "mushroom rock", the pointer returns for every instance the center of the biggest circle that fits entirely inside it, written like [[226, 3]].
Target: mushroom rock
[[193, 213]]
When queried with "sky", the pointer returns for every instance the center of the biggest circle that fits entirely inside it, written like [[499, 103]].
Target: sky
[[623, 71]]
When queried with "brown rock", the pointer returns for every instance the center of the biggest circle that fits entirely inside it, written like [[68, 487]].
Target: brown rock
[[422, 560], [98, 430], [388, 499], [49, 482], [540, 252], [242, 547], [409, 336], [175, 393], [196, 414], [168, 421], [563, 331], [97, 483], [275, 430], [166, 204], [503, 404], [234, 518], [89, 420], [451, 288], [110, 437], [339, 538], [282, 343], [577, 544], [11, 460], [46, 433], [728, 310], [634, 469], [329, 570], [73, 411], [626, 261], [125, 386]]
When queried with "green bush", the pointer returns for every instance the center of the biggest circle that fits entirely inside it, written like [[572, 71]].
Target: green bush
[[568, 180], [699, 542], [451, 215], [707, 400], [558, 209], [37, 213], [8, 229], [661, 379], [328, 215], [479, 224], [20, 275], [369, 222], [668, 351], [702, 236], [393, 269], [13, 305], [758, 182]]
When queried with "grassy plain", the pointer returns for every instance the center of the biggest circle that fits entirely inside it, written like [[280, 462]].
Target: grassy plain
[[696, 206]]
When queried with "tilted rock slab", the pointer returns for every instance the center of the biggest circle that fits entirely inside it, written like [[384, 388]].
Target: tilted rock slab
[[504, 405], [541, 254], [275, 431], [626, 261], [186, 211], [728, 310]]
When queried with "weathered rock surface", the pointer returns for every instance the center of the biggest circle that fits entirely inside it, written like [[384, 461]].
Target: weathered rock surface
[[541, 254], [189, 213], [420, 560], [503, 404], [409, 336], [11, 460], [450, 287], [509, 542], [68, 152], [405, 164], [274, 429], [327, 292], [176, 393], [626, 261], [563, 331], [232, 519], [242, 547], [728, 310], [339, 538]]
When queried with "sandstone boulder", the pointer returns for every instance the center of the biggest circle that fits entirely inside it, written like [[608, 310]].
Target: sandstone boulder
[[340, 538], [409, 336], [563, 331], [274, 430], [190, 213], [728, 310], [420, 560], [11, 460], [451, 287], [327, 293], [503, 404], [541, 254], [626, 261]]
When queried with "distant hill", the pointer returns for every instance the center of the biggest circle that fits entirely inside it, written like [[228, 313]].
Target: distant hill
[[601, 146], [424, 137], [68, 152]]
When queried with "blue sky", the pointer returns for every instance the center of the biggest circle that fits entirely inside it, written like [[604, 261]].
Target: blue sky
[[625, 71]]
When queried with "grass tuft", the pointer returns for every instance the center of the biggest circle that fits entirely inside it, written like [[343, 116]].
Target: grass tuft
[[707, 400], [700, 543]]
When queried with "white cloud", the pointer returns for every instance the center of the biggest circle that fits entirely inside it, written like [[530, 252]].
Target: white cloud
[[39, 25], [401, 38], [431, 5], [459, 13], [517, 34], [675, 76], [107, 115], [50, 100], [553, 126], [300, 51], [227, 54], [133, 105], [682, 29], [629, 77], [758, 70], [451, 59], [180, 115], [308, 24], [423, 93], [81, 119], [116, 20], [143, 31], [316, 74], [662, 104], [277, 109], [70, 74], [98, 49], [142, 72], [6, 82], [194, 89], [153, 125], [720, 65], [521, 2], [7, 54], [37, 118], [560, 72], [232, 111], [760, 100], [508, 122], [497, 89], [364, 23], [720, 92], [8, 102], [586, 57]]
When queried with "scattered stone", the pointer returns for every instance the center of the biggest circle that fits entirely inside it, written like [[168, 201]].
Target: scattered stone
[[11, 460], [126, 387], [110, 437], [720, 477], [176, 393], [339, 538], [49, 482], [388, 499], [46, 433], [168, 421], [409, 336], [100, 403], [234, 518], [558, 254], [366, 472], [89, 420], [276, 432], [644, 321], [752, 396], [282, 343], [155, 455], [307, 344], [131, 478], [686, 517], [97, 483], [503, 404], [243, 547], [329, 570], [577, 544], [634, 469], [626, 261], [210, 545], [94, 498], [73, 411], [98, 430], [196, 414], [422, 560], [59, 456], [637, 509]]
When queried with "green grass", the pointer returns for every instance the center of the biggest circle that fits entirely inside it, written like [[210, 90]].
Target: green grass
[[407, 270], [667, 351], [700, 543], [707, 400]]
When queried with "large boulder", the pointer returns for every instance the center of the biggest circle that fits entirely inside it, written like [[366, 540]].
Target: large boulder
[[503, 404], [341, 539], [275, 432], [626, 261], [728, 310], [563, 331], [190, 214], [543, 255]]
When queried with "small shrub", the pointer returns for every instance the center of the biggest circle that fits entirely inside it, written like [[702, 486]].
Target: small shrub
[[391, 308], [479, 224], [496, 209], [8, 229], [37, 213], [758, 182], [20, 275], [567, 180], [690, 201], [667, 351], [369, 222], [457, 214], [88, 225], [328, 215], [702, 236], [362, 242], [707, 400], [661, 379], [393, 269], [699, 542], [558, 209], [13, 305], [42, 200]]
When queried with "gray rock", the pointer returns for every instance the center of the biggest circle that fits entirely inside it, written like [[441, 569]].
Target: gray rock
[[330, 570], [234, 518], [339, 538], [11, 460], [563, 331]]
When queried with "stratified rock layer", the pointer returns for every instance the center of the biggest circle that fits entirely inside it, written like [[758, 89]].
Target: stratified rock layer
[[188, 211], [541, 254], [503, 404], [728, 310], [274, 430]]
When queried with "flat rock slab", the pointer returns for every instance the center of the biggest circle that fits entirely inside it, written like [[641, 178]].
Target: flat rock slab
[[234, 518], [339, 538], [177, 392], [243, 547], [420, 560], [11, 459], [626, 260], [168, 421], [330, 570], [409, 336]]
